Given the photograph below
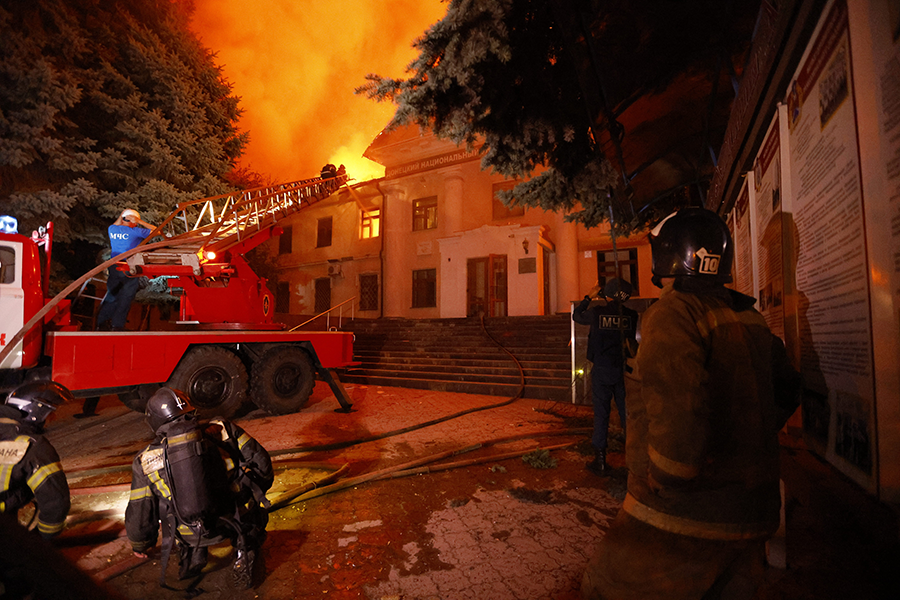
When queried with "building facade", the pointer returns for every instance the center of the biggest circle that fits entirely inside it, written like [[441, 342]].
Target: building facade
[[432, 240]]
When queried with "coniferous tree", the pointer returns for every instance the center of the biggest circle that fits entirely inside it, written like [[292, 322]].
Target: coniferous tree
[[496, 73], [107, 105], [539, 82]]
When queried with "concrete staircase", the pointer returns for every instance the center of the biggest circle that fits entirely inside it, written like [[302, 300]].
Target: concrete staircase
[[457, 355]]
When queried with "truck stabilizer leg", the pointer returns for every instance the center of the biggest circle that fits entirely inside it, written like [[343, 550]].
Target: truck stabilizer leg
[[337, 388]]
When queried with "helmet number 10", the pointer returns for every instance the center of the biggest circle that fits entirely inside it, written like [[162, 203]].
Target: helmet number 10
[[709, 263]]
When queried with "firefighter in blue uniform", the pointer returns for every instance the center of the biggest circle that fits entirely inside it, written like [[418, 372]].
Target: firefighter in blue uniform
[[29, 465], [126, 233], [205, 482], [610, 340]]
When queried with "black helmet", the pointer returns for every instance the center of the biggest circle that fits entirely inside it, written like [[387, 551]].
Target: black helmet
[[166, 405], [37, 400], [693, 242], [617, 289]]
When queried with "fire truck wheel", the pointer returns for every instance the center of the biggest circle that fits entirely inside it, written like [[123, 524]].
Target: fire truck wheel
[[282, 380], [214, 379]]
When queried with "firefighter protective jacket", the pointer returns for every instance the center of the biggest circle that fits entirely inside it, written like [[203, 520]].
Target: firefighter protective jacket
[[247, 464], [702, 447], [30, 469]]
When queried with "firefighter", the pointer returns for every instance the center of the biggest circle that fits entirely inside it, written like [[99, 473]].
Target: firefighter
[[702, 449], [610, 339], [125, 234], [205, 482], [29, 465]]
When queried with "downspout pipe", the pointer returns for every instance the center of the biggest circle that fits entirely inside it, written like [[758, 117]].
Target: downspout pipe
[[382, 232]]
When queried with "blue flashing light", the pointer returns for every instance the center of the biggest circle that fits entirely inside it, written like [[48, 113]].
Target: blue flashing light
[[8, 224]]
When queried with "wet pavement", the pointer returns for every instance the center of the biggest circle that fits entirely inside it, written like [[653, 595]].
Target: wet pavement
[[463, 508]]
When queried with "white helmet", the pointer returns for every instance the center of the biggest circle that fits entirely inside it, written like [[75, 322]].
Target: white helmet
[[129, 212]]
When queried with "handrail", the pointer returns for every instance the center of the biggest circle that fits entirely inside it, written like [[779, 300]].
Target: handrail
[[328, 321]]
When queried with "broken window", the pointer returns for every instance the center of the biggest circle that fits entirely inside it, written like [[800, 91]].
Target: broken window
[[283, 297], [323, 233], [286, 240]]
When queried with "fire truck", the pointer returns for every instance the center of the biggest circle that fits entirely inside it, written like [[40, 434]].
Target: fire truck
[[224, 350]]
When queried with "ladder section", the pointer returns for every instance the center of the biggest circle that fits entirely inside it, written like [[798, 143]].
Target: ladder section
[[199, 231]]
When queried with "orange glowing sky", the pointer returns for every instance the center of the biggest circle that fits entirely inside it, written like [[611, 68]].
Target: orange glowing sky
[[295, 64]]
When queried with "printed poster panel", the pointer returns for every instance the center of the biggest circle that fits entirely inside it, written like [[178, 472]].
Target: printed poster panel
[[884, 256], [770, 258], [743, 244], [888, 95], [831, 270]]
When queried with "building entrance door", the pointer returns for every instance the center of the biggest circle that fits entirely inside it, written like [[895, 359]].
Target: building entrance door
[[486, 286]]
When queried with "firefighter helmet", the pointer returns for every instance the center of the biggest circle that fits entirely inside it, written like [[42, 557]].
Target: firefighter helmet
[[693, 242], [130, 212], [166, 405], [617, 289], [37, 400]]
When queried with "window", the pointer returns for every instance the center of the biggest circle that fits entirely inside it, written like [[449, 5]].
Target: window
[[7, 264], [425, 213], [424, 288], [369, 224], [283, 297], [286, 241], [628, 269], [368, 291], [499, 210], [323, 294], [323, 233]]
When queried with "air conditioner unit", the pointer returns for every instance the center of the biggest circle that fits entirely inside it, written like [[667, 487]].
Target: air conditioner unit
[[334, 270]]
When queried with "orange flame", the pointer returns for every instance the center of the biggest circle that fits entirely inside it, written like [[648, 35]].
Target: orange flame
[[295, 66]]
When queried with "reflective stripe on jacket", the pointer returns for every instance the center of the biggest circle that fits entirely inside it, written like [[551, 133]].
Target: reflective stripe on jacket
[[151, 491], [30, 470], [702, 445]]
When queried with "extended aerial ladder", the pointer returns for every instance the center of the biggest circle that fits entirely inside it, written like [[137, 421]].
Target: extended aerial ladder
[[227, 349], [207, 240]]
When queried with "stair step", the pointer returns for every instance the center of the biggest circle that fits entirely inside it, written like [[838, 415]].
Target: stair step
[[463, 355], [452, 372], [380, 358], [555, 392], [459, 354]]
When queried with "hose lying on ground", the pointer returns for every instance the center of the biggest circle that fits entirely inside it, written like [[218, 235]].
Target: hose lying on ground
[[410, 468], [76, 473], [312, 490]]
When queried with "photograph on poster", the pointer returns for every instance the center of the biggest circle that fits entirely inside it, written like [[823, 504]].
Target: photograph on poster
[[833, 89], [816, 413], [794, 104], [851, 438]]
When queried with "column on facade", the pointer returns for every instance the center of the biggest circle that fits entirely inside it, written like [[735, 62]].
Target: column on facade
[[395, 229], [453, 201], [567, 284]]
